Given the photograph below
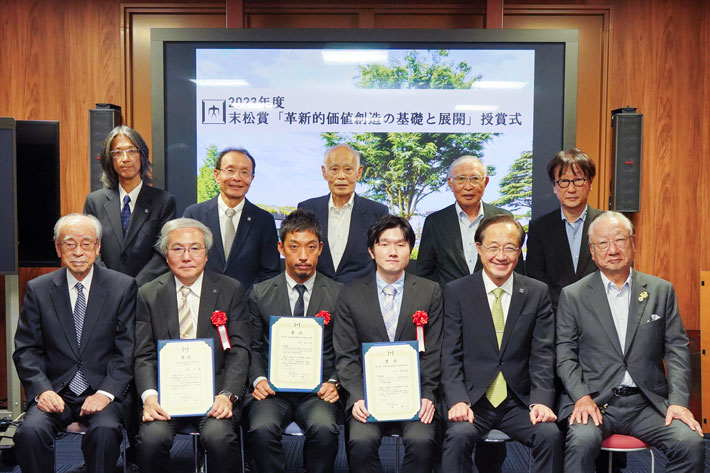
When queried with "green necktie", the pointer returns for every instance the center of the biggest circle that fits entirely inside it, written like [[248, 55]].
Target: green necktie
[[497, 391]]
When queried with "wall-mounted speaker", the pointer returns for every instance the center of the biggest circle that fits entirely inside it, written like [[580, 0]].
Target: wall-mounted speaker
[[102, 119], [8, 195], [627, 128]]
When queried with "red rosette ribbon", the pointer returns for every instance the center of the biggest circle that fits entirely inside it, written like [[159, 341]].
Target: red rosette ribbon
[[420, 319], [326, 316], [219, 319]]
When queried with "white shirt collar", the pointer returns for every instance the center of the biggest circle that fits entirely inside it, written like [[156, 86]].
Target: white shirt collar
[[86, 282], [507, 286], [608, 283], [349, 203], [310, 282], [133, 194], [195, 288], [582, 216], [460, 212], [222, 205]]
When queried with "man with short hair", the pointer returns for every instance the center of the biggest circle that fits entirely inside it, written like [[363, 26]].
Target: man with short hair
[[622, 355], [180, 305], [297, 292], [380, 308], [498, 354], [344, 217], [557, 241], [73, 351], [245, 235]]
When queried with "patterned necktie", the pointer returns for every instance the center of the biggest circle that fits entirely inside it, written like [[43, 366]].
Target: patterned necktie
[[497, 391], [185, 315], [299, 308], [125, 212], [389, 311], [229, 232], [78, 383]]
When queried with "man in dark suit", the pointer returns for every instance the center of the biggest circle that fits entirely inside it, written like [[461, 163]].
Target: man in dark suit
[[299, 291], [73, 351], [182, 304], [344, 217], [557, 241], [245, 235], [622, 354], [131, 211], [380, 308], [498, 358]]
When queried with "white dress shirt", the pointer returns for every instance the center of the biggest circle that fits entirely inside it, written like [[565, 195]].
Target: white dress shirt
[[133, 195], [293, 293], [339, 228], [507, 287], [468, 232], [619, 300], [222, 208]]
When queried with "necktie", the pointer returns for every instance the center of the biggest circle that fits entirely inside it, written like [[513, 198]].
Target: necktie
[[185, 315], [299, 308], [78, 383], [125, 212], [389, 311], [229, 231], [497, 391]]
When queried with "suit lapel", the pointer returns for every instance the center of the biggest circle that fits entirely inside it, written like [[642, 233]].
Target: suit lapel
[[112, 208], [454, 229], [636, 308], [517, 300], [316, 297], [407, 308], [371, 305], [167, 298], [480, 311], [208, 302], [357, 215], [62, 307], [564, 252], [585, 256], [326, 258], [141, 212], [596, 298], [212, 218], [245, 223], [94, 306]]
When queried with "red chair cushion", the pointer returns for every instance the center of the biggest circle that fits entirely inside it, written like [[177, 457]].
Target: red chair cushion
[[623, 441]]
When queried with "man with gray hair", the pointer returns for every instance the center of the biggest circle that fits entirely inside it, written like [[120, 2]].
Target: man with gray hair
[[181, 304], [73, 351], [622, 355], [344, 217]]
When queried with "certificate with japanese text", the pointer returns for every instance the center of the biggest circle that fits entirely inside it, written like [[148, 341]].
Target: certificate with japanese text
[[186, 376], [391, 374], [296, 353]]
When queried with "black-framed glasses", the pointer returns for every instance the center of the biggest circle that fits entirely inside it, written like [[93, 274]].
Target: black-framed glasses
[[564, 183]]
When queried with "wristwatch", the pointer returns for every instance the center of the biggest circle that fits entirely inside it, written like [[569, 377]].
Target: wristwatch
[[230, 395], [334, 382]]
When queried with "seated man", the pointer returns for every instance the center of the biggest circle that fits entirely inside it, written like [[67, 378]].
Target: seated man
[[179, 304], [622, 355], [73, 351], [379, 308], [498, 360], [299, 291]]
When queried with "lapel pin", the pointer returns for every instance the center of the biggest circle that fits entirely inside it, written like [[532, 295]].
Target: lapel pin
[[521, 290], [214, 291], [643, 296], [248, 219]]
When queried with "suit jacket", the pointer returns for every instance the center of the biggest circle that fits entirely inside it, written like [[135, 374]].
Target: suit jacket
[[358, 319], [269, 298], [441, 257], [47, 355], [157, 319], [356, 262], [549, 258], [133, 254], [471, 358], [590, 359], [254, 255]]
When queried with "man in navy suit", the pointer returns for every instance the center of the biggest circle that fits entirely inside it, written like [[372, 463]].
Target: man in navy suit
[[74, 350], [245, 235], [344, 217], [131, 211]]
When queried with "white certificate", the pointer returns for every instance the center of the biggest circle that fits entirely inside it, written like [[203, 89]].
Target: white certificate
[[391, 374], [186, 376], [296, 353]]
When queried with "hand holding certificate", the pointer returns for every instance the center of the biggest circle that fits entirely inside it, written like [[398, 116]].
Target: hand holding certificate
[[186, 376], [296, 353]]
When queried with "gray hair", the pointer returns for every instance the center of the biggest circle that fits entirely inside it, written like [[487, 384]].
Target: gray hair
[[177, 224], [65, 220], [610, 215], [463, 160], [349, 148]]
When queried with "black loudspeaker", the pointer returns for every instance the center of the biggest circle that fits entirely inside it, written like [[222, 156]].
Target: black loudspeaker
[[627, 128], [102, 119], [8, 211]]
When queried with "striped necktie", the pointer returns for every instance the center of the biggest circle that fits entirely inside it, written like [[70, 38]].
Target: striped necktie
[[125, 212], [187, 329], [229, 232], [79, 383], [389, 311], [497, 391]]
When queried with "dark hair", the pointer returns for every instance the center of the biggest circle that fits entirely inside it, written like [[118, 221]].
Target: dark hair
[[385, 223], [499, 218], [571, 159], [109, 177], [299, 221], [218, 163]]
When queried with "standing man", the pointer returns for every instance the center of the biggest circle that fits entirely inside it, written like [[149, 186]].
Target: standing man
[[245, 235], [498, 358], [379, 308], [297, 292], [344, 217], [447, 250], [557, 241], [180, 305], [131, 211], [73, 351], [622, 355]]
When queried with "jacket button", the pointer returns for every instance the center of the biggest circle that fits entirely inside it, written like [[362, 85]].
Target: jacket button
[[123, 258]]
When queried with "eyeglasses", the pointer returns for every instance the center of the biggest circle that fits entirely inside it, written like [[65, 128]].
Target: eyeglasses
[[564, 183], [119, 153], [334, 171], [620, 243], [180, 250], [463, 180], [507, 250], [230, 173], [71, 245]]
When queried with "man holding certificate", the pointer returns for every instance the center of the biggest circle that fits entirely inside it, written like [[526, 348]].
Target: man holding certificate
[[389, 306], [299, 291], [194, 308]]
